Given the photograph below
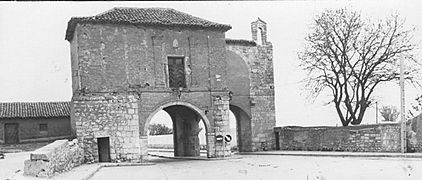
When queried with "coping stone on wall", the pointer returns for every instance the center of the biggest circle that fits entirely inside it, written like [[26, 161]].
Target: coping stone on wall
[[45, 153]]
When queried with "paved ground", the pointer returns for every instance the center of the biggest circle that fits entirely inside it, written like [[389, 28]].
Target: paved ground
[[12, 163], [15, 155], [265, 166], [336, 154], [272, 167], [170, 153]]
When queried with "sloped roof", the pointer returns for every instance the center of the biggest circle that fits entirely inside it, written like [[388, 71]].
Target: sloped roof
[[34, 109], [146, 16], [241, 42]]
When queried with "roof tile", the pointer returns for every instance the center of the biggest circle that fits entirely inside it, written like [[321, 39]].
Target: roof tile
[[34, 109], [146, 16], [241, 42]]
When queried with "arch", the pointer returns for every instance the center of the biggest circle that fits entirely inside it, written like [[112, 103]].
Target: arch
[[243, 128], [259, 31], [238, 76], [163, 105]]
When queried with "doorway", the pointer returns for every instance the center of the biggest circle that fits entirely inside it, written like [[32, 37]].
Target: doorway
[[243, 129], [104, 149], [11, 133], [277, 140]]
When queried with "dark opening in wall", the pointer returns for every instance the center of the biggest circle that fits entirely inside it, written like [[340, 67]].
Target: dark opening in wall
[[104, 149]]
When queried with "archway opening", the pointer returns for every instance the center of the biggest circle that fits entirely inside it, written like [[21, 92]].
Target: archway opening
[[183, 132], [233, 132], [243, 129], [160, 133]]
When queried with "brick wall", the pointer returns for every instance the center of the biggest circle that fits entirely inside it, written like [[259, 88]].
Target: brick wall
[[108, 57], [364, 138]]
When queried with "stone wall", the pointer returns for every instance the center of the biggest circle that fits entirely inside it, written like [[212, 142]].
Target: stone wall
[[414, 134], [364, 138], [54, 158], [260, 104], [108, 115]]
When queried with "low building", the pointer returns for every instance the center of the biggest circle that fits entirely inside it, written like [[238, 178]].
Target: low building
[[34, 121]]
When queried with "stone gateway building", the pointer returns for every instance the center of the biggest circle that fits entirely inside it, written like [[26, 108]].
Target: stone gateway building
[[130, 63]]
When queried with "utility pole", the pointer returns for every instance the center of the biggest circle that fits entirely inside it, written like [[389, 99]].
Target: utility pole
[[376, 112], [402, 110]]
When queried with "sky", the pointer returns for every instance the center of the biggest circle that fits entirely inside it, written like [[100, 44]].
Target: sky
[[35, 57]]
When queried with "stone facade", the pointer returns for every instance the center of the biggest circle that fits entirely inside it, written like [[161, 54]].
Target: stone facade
[[414, 134], [114, 116], [259, 104], [57, 157], [120, 79]]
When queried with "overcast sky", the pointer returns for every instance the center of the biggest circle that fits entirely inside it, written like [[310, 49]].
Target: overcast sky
[[35, 58]]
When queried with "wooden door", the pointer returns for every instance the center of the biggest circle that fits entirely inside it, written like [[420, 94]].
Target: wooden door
[[11, 131], [104, 149]]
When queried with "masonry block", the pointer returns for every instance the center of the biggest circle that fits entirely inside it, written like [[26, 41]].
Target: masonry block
[[57, 157]]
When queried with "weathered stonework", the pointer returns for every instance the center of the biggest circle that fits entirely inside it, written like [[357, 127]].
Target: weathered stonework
[[364, 138], [54, 158], [259, 105], [108, 115], [120, 79], [414, 134]]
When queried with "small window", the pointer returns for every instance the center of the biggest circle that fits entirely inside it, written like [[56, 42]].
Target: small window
[[43, 127], [260, 36], [176, 67]]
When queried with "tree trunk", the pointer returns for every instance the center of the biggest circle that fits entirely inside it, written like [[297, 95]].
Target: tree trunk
[[360, 117], [344, 121]]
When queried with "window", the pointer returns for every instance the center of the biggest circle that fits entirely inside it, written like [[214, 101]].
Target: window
[[43, 128], [176, 67], [259, 36]]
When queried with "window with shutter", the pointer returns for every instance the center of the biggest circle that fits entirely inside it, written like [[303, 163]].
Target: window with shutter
[[176, 67]]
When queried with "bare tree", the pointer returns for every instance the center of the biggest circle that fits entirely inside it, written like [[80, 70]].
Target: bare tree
[[389, 113], [351, 56], [416, 108]]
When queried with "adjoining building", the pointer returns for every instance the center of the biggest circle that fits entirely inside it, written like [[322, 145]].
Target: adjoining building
[[129, 63], [22, 122]]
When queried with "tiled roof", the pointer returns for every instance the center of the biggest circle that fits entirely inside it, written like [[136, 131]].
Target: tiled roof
[[34, 109], [241, 42], [148, 17]]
